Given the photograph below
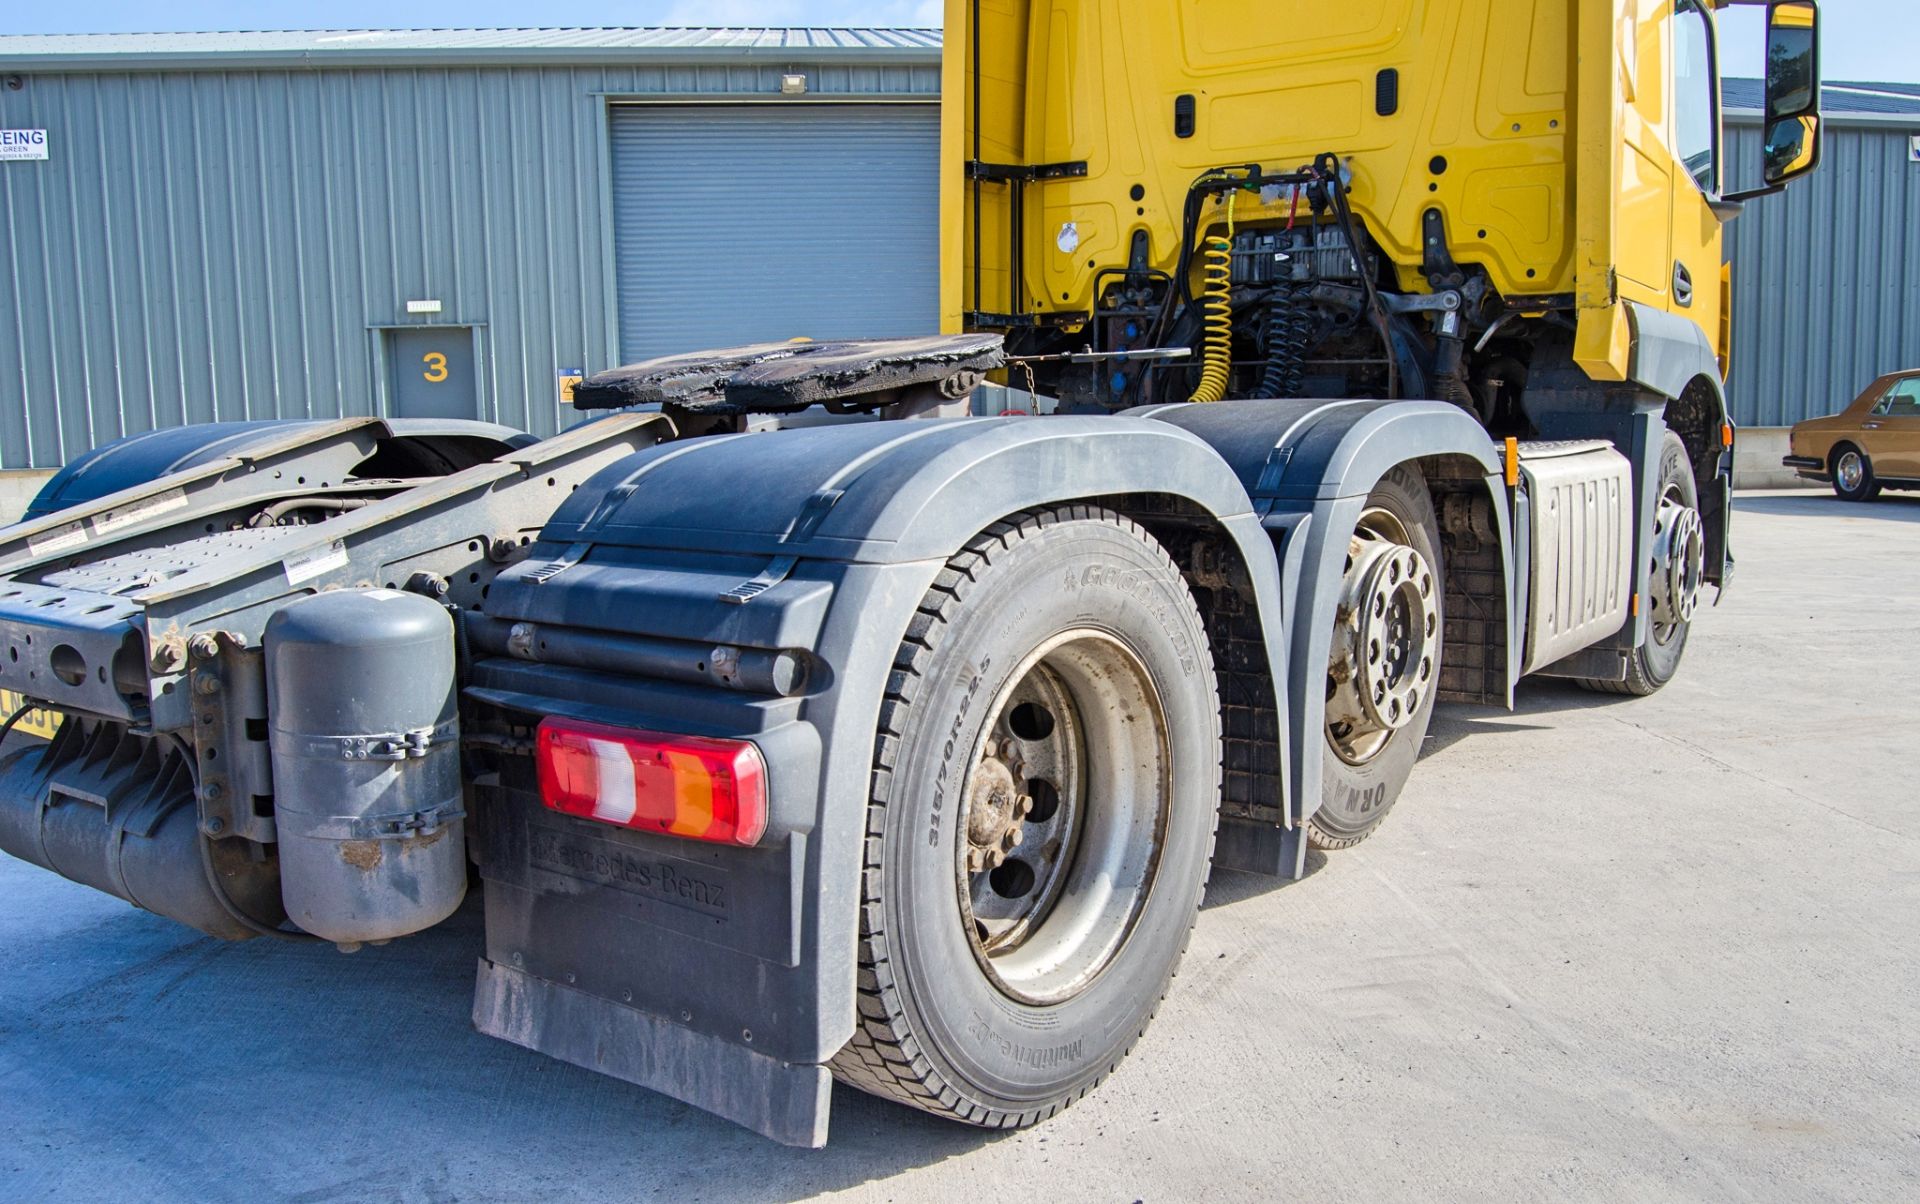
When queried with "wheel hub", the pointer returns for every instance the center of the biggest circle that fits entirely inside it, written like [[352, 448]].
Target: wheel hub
[[1679, 562], [995, 809], [1849, 471], [1386, 631], [1065, 806]]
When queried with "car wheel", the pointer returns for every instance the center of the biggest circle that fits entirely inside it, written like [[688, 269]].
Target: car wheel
[[1853, 479]]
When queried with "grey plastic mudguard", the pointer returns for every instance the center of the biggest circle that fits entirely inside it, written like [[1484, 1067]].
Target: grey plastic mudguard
[[150, 455], [1670, 352], [1309, 466], [824, 540]]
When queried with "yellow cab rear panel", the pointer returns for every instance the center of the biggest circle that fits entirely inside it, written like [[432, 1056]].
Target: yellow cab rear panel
[[1536, 136]]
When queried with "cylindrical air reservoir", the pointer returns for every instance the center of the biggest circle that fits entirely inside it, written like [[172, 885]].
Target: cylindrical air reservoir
[[365, 740]]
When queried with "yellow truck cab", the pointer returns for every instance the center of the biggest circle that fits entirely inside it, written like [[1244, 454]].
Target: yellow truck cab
[[1563, 158]]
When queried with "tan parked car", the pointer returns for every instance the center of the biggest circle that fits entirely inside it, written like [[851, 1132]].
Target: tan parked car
[[1871, 445]]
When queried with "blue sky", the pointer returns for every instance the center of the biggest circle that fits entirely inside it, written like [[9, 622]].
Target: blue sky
[[1863, 39]]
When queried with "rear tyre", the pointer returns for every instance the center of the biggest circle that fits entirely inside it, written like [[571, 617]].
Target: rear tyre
[[1853, 478], [1045, 786], [1383, 672], [1677, 570]]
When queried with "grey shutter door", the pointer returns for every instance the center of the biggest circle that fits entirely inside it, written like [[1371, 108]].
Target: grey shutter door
[[754, 223]]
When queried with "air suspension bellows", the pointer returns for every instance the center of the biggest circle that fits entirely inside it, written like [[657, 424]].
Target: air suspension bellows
[[366, 764]]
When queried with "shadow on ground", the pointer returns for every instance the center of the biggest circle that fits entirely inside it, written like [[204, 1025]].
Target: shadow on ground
[[307, 1066], [1889, 507]]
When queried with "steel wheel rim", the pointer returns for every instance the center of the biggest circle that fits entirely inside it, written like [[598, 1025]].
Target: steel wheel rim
[[1078, 839], [1384, 657], [1850, 471], [1679, 564]]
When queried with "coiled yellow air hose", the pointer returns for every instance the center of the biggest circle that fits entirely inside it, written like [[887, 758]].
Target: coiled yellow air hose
[[1216, 290]]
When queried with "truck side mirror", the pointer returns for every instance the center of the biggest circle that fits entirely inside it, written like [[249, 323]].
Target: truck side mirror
[[1790, 147], [1793, 91]]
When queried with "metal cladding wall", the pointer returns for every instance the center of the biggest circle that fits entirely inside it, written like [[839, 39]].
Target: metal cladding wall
[[1826, 276], [842, 240], [227, 244]]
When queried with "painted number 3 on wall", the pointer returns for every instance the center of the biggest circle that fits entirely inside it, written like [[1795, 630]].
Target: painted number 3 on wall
[[436, 367]]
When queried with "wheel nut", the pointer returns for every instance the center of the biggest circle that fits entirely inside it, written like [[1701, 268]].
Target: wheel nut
[[1014, 838]]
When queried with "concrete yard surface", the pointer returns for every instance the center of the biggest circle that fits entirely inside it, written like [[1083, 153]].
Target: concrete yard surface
[[1604, 949]]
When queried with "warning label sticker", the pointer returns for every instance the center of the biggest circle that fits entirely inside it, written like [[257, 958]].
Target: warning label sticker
[[108, 521], [59, 539], [315, 562]]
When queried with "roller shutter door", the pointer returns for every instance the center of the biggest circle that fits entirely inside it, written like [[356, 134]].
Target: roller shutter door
[[748, 223]]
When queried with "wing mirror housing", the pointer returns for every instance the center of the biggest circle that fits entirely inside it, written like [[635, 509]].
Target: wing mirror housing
[[1790, 147]]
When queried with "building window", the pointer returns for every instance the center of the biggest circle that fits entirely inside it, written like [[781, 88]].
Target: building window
[[1696, 98]]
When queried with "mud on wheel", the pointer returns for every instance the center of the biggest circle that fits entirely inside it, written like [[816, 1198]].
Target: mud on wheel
[[1383, 665], [1046, 782]]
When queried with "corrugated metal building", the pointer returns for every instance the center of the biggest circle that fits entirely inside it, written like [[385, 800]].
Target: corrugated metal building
[[399, 222], [232, 226], [1826, 277]]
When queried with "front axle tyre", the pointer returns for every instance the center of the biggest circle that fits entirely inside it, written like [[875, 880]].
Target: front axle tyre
[[1853, 476], [1676, 572], [1383, 668], [1045, 786]]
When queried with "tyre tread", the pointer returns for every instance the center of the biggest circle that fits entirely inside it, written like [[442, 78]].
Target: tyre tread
[[884, 1057]]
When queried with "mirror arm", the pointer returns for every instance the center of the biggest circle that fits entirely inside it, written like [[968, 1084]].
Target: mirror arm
[[1736, 199]]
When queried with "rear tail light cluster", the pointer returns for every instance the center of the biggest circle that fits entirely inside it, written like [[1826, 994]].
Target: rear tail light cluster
[[691, 786]]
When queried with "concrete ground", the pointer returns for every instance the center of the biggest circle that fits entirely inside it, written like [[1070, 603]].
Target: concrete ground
[[1605, 949]]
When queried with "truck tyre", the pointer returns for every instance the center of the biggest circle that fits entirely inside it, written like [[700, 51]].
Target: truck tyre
[[1852, 471], [1045, 786], [1383, 672], [1677, 567]]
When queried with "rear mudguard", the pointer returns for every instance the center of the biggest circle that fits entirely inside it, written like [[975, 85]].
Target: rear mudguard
[[821, 540], [1309, 466], [726, 977]]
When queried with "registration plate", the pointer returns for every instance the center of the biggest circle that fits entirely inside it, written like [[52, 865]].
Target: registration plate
[[37, 722]]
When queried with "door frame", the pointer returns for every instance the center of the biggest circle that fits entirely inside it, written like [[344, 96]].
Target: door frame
[[383, 376]]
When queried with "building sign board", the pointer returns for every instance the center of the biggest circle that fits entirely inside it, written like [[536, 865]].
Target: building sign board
[[23, 144]]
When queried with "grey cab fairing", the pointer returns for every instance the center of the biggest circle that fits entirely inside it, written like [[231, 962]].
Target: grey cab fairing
[[1309, 466], [1671, 354]]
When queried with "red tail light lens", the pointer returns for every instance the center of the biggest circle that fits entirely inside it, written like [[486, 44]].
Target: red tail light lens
[[689, 786]]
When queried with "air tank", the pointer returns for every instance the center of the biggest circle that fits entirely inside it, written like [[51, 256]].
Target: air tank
[[365, 741]]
